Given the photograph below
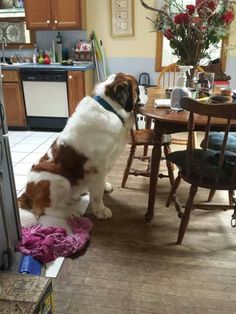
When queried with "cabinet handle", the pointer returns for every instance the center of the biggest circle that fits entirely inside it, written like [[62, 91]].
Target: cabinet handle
[[48, 22], [55, 21], [70, 77], [2, 75]]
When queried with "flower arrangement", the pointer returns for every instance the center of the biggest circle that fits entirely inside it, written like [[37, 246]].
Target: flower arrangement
[[191, 29]]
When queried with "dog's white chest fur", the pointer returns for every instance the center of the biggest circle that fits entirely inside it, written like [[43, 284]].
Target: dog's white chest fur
[[95, 132]]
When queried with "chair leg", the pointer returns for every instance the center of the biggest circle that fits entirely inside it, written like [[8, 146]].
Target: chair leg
[[173, 190], [169, 165], [211, 195], [145, 150], [148, 123], [186, 216], [231, 197], [128, 165], [195, 140]]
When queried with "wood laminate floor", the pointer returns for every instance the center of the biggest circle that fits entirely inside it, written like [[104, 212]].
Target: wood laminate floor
[[135, 267]]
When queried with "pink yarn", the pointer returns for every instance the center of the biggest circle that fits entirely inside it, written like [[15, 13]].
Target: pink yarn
[[47, 243]]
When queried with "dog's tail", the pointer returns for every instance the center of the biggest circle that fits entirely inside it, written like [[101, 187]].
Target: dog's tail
[[23, 201]]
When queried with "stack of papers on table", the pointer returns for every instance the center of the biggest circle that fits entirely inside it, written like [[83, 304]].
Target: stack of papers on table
[[162, 103]]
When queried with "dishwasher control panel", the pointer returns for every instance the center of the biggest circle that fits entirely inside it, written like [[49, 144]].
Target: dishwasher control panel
[[43, 75]]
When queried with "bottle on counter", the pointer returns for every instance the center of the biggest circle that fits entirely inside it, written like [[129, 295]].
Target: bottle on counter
[[35, 55], [59, 38], [65, 54], [59, 47]]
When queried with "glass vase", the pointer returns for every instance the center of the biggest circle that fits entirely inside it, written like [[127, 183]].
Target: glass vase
[[191, 78]]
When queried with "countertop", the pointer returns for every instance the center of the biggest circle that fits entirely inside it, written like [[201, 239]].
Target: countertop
[[78, 66]]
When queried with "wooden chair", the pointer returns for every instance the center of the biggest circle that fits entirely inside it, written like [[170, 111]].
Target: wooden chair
[[169, 74], [215, 142], [143, 137], [213, 170], [167, 79]]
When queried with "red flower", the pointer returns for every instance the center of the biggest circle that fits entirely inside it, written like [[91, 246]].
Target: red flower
[[190, 8], [228, 17], [203, 28], [196, 20], [182, 18], [168, 34], [211, 4]]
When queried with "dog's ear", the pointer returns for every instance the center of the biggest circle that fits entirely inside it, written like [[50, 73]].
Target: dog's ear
[[124, 96]]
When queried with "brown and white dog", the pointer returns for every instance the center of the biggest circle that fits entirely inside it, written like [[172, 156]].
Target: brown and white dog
[[84, 151]]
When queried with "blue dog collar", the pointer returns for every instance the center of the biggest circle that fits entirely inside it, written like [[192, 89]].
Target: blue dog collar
[[106, 106]]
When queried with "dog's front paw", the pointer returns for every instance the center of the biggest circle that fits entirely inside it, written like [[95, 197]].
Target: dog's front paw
[[74, 214], [108, 187], [103, 213]]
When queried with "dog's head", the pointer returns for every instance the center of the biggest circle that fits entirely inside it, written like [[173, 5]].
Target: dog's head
[[123, 89]]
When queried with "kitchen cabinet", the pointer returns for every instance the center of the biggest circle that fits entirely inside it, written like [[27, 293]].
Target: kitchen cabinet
[[13, 98], [79, 85], [55, 14]]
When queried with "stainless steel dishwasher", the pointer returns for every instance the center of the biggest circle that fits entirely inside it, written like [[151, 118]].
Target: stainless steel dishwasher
[[45, 94]]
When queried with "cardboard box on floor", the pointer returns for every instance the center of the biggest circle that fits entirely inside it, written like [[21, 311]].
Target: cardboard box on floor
[[25, 294]]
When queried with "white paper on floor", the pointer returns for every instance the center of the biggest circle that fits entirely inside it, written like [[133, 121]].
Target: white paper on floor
[[52, 268], [28, 219]]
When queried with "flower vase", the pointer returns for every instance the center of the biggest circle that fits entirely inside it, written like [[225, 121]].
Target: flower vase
[[191, 78], [191, 81]]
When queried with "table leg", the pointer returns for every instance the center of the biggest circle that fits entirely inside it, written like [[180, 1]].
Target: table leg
[[155, 166]]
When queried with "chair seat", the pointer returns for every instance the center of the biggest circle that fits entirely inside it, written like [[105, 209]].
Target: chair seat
[[206, 169], [145, 138]]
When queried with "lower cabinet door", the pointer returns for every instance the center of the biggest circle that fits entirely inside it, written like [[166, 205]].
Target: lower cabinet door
[[14, 106]]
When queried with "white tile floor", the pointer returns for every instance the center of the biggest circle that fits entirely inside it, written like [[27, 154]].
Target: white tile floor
[[26, 148]]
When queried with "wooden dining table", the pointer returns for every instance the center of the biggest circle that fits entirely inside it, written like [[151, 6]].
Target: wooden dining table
[[167, 121]]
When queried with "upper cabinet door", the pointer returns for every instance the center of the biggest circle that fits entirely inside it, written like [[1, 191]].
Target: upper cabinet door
[[55, 14], [69, 14], [38, 14]]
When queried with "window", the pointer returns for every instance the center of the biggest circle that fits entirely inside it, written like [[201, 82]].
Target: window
[[13, 27]]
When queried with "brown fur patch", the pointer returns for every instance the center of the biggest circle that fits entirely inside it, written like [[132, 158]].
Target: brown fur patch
[[36, 196], [121, 80], [66, 162], [45, 156]]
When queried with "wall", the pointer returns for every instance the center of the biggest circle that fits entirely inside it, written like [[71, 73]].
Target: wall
[[231, 58], [137, 54], [127, 54]]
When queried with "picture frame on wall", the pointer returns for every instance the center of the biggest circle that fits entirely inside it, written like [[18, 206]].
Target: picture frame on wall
[[122, 18]]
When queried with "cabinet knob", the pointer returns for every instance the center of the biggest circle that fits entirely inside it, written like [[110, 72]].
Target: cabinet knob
[[48, 22], [70, 77], [2, 75], [56, 21]]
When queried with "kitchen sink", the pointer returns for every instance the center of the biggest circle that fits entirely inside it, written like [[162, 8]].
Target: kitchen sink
[[13, 64], [19, 64]]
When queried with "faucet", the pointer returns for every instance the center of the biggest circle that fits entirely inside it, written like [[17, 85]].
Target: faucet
[[4, 44], [20, 58]]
